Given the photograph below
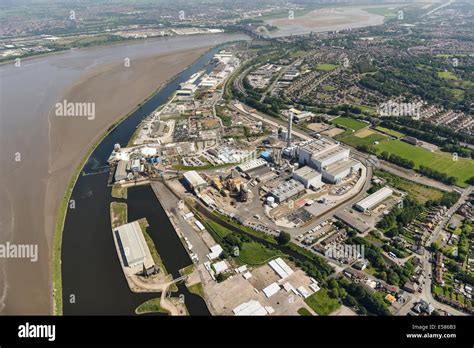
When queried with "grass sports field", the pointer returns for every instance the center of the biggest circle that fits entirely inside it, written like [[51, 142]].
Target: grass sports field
[[355, 140], [326, 67], [462, 169], [365, 109], [390, 132], [349, 123], [448, 75]]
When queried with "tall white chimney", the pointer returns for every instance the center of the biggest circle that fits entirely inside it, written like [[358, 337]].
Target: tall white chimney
[[290, 123]]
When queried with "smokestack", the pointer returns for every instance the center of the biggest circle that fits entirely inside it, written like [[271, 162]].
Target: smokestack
[[290, 123]]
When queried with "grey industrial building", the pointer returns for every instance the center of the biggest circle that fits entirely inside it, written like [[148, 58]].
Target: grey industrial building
[[195, 181], [337, 171], [322, 152], [121, 170], [374, 199], [131, 244], [308, 177], [287, 190]]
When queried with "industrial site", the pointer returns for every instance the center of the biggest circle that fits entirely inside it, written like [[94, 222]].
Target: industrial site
[[267, 208]]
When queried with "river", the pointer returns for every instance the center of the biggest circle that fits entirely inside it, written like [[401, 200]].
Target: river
[[91, 271], [39, 152]]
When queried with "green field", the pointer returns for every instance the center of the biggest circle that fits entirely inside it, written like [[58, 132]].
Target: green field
[[119, 192], [329, 88], [197, 289], [187, 270], [349, 123], [304, 312], [154, 253], [383, 11], [462, 169], [457, 93], [118, 214], [365, 109], [449, 55], [151, 306], [285, 14], [220, 230], [321, 303], [355, 141], [256, 254], [422, 193], [447, 75], [326, 67], [390, 132], [86, 41]]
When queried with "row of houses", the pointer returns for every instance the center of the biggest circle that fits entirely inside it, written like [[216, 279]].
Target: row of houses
[[439, 264]]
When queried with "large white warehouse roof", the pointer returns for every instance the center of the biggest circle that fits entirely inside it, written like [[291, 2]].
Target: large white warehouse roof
[[374, 199], [194, 179], [130, 241]]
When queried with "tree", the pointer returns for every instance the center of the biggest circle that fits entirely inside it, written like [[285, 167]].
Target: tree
[[232, 240], [435, 246], [350, 301], [332, 284], [283, 238]]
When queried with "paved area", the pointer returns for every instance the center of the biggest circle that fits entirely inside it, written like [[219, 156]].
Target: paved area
[[169, 203]]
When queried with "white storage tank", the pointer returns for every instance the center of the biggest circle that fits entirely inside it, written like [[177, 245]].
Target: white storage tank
[[270, 200]]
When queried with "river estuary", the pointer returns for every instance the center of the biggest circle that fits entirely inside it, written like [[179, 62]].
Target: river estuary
[[93, 282]]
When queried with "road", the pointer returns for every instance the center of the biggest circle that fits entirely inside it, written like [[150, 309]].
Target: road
[[438, 8], [271, 121], [415, 177], [426, 293], [170, 205]]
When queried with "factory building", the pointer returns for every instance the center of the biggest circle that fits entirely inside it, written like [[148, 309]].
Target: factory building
[[121, 170], [186, 90], [250, 165], [195, 181], [287, 190], [322, 152], [329, 157], [132, 245], [374, 199], [337, 171], [298, 115], [308, 177]]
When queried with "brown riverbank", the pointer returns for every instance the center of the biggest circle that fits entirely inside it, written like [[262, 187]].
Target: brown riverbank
[[114, 89]]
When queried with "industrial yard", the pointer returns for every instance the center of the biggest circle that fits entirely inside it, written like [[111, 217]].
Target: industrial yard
[[248, 188]]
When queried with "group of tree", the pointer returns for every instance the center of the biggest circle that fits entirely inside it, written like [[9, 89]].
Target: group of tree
[[434, 174], [283, 238], [438, 135], [448, 199], [400, 217], [461, 151], [394, 275], [408, 76], [398, 160], [356, 296]]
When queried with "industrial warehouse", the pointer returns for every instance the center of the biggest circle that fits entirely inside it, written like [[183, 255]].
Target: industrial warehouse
[[374, 199], [133, 250]]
